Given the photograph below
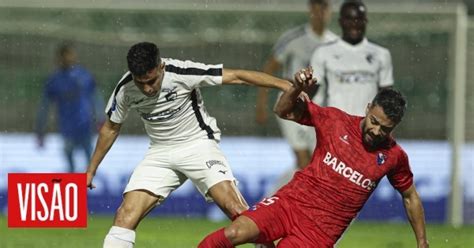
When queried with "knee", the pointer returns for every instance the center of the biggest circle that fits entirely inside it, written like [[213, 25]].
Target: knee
[[241, 231], [235, 208], [126, 217], [235, 234]]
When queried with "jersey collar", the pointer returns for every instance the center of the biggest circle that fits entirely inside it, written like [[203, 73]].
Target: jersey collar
[[360, 45]]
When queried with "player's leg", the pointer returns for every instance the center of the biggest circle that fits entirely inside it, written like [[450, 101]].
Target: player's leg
[[135, 206], [302, 158], [263, 223], [68, 153], [242, 230], [301, 140], [204, 163], [229, 199], [151, 182]]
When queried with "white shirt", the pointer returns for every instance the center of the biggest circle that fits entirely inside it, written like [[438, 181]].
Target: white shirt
[[350, 75], [294, 48], [177, 113]]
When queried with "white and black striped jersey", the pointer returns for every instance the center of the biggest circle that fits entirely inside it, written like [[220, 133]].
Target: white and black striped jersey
[[175, 114], [294, 48], [351, 75]]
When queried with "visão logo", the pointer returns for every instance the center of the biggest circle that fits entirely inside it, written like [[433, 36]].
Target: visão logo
[[47, 200]]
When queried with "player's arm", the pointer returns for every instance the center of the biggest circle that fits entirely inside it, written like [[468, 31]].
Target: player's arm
[[107, 135], [231, 76], [291, 105], [386, 71], [271, 66], [416, 216]]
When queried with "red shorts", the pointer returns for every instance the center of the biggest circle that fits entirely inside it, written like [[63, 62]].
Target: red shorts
[[276, 218]]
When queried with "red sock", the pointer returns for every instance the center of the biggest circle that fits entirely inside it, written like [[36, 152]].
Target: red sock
[[216, 239]]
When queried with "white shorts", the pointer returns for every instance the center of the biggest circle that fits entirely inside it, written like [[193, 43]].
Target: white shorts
[[165, 168], [300, 137]]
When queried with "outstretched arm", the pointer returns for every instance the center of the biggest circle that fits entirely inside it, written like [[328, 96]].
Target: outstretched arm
[[270, 67], [291, 105], [231, 76], [416, 216], [107, 135]]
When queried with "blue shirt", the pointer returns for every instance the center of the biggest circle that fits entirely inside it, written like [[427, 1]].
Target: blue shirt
[[72, 90]]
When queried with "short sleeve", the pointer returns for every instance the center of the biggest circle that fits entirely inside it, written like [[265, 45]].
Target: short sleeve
[[282, 48], [195, 75], [117, 109], [317, 114], [386, 70], [401, 176]]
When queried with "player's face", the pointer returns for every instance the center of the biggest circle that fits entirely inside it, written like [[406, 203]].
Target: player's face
[[376, 126], [320, 15], [150, 83], [353, 21], [68, 59]]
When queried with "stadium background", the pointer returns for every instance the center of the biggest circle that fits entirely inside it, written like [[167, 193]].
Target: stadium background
[[240, 34]]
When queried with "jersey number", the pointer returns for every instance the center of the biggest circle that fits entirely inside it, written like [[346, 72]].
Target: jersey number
[[269, 201]]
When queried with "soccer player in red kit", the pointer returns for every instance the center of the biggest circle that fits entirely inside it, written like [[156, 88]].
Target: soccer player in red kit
[[352, 155]]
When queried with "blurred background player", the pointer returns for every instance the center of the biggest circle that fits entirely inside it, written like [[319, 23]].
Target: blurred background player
[[73, 91], [292, 52], [183, 136], [353, 154], [351, 70]]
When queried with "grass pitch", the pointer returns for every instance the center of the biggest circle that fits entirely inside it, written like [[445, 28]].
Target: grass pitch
[[186, 233]]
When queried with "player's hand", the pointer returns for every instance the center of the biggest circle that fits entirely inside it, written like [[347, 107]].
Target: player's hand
[[90, 176], [304, 78], [303, 96]]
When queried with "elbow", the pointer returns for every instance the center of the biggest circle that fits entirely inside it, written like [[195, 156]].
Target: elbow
[[279, 112], [110, 128]]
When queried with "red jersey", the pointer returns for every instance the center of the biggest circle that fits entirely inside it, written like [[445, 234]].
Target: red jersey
[[342, 174]]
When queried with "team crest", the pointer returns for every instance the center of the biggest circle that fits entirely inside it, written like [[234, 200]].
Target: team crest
[[369, 58], [381, 158]]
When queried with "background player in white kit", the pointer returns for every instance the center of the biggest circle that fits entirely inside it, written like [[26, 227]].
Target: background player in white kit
[[351, 70], [292, 52], [183, 137]]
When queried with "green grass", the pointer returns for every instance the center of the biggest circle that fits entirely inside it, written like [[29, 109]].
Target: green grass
[[181, 232]]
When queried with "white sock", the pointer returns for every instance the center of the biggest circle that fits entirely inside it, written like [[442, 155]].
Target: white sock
[[119, 237]]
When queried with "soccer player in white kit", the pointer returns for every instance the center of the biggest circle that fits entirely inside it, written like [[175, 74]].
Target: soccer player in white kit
[[292, 52], [351, 70], [183, 136]]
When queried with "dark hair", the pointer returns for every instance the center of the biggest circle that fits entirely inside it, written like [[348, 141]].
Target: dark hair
[[142, 57], [392, 102], [352, 3], [65, 48], [320, 2]]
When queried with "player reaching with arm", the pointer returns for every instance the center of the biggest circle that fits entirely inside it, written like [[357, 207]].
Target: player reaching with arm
[[292, 52], [353, 154], [183, 136]]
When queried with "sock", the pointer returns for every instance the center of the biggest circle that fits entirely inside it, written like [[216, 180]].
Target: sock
[[119, 237], [216, 239]]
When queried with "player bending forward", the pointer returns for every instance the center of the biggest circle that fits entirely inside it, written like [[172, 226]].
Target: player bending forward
[[352, 155], [184, 137]]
